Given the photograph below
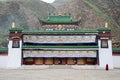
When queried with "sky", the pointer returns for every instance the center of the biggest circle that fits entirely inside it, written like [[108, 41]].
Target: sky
[[48, 1]]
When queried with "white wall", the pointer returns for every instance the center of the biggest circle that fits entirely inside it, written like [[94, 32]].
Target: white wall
[[3, 61], [14, 56], [116, 61], [105, 55]]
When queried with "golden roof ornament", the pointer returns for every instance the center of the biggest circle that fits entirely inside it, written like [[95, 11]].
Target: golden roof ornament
[[106, 25], [13, 24], [59, 13], [60, 26]]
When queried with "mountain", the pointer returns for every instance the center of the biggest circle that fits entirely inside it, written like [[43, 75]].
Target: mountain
[[58, 3], [94, 13], [25, 13]]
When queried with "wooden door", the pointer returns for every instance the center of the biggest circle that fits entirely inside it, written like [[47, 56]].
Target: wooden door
[[39, 61], [81, 61], [70, 61], [49, 61]]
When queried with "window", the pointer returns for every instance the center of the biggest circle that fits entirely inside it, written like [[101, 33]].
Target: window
[[15, 44], [104, 43]]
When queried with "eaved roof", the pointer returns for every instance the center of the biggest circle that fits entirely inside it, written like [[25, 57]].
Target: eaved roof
[[35, 47], [58, 31], [59, 19], [3, 49], [104, 29], [116, 49], [16, 29]]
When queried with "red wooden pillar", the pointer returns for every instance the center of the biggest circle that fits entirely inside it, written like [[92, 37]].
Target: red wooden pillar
[[43, 60], [76, 60], [53, 61], [23, 61], [86, 62], [96, 62], [33, 61], [66, 61]]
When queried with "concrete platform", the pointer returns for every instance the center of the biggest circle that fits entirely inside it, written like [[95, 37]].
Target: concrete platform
[[59, 74]]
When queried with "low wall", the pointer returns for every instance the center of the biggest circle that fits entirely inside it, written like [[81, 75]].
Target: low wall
[[116, 57], [116, 61], [3, 61]]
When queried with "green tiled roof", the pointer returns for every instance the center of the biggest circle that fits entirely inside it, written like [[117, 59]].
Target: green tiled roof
[[59, 19], [59, 47], [16, 28], [60, 31], [103, 29], [3, 49], [116, 49]]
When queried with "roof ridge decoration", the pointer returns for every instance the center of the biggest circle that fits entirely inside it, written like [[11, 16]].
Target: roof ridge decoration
[[59, 19], [60, 26], [13, 24], [59, 13], [105, 28], [106, 25]]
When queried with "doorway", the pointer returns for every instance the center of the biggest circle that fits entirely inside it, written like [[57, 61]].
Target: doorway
[[60, 61]]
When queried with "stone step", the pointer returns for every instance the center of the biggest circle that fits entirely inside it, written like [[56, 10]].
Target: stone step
[[86, 67], [34, 67], [60, 66]]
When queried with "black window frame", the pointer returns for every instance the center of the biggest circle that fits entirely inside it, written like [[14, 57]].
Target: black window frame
[[16, 44], [104, 45]]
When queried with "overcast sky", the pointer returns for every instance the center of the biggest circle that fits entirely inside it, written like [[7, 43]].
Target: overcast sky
[[48, 1]]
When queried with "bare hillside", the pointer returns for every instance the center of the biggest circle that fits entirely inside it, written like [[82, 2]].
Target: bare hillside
[[94, 13]]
